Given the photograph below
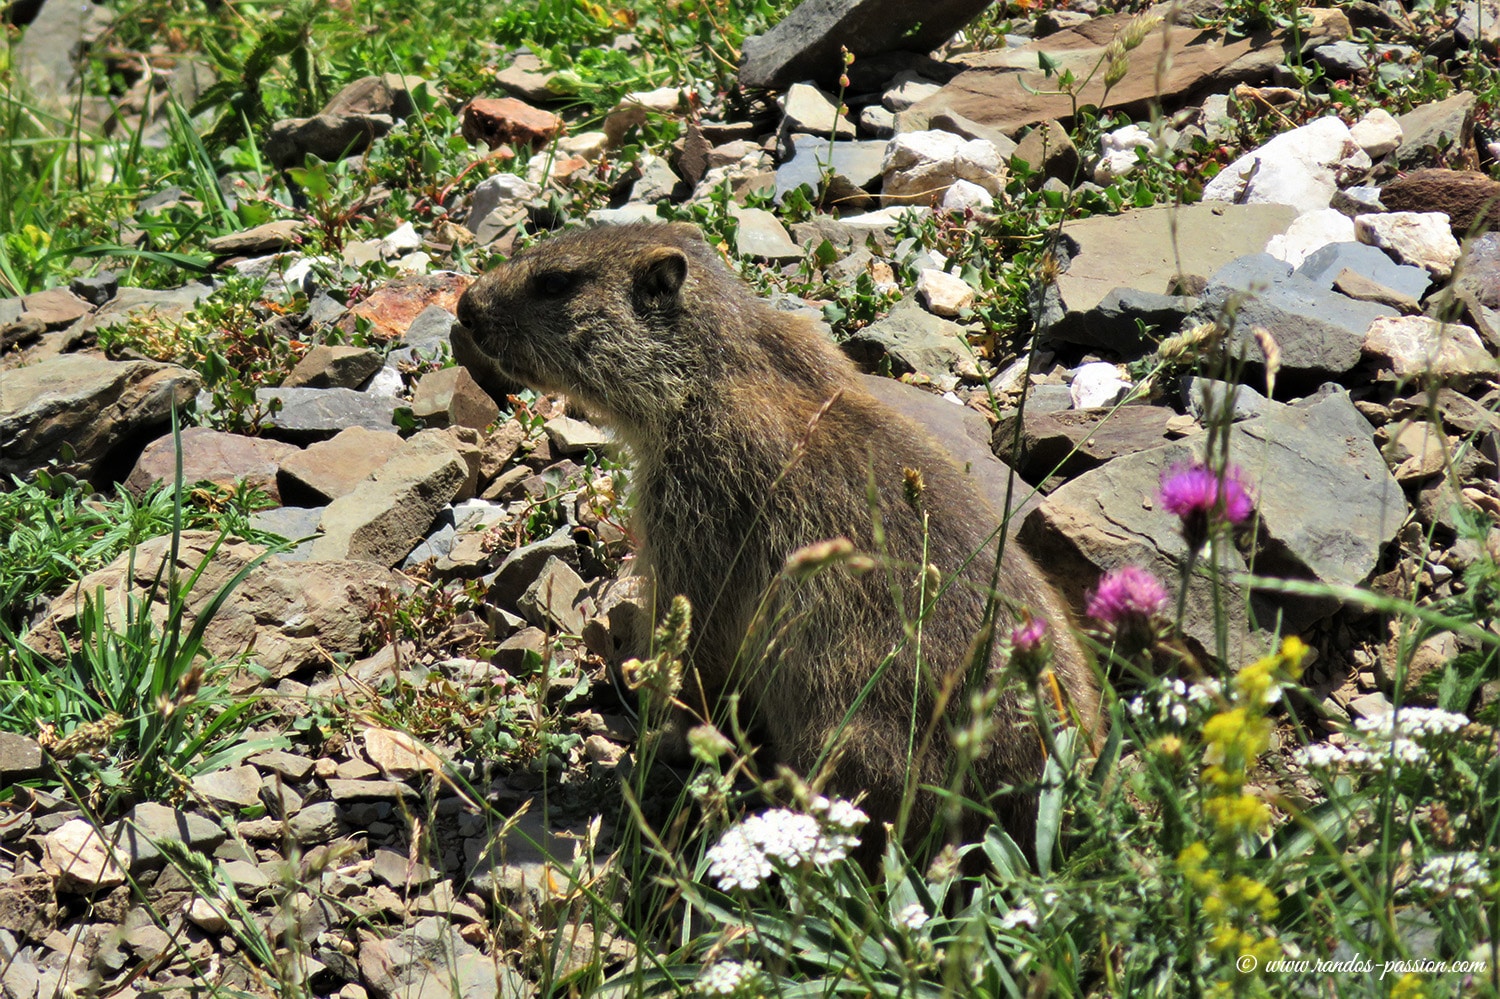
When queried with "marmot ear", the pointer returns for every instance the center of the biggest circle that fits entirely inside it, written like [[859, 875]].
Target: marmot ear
[[685, 231], [662, 271]]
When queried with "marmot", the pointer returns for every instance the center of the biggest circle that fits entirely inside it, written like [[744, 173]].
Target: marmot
[[754, 438]]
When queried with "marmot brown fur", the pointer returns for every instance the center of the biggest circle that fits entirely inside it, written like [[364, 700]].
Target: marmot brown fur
[[754, 438]]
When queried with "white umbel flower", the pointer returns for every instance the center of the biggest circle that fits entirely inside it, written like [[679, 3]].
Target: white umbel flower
[[727, 978], [747, 854], [1457, 875], [913, 917], [1023, 915], [1396, 738]]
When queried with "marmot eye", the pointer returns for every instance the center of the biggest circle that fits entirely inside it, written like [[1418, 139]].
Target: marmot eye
[[551, 284]]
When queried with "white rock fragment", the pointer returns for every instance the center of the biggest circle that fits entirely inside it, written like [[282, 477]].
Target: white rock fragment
[[761, 236], [1309, 233], [412, 263], [402, 239], [1423, 239], [78, 858], [1117, 152], [589, 145], [921, 166], [207, 916], [1377, 133], [964, 195], [386, 381], [303, 272], [1301, 168], [496, 190], [1097, 384], [877, 121], [885, 219], [399, 755], [1420, 345], [943, 294], [805, 108], [909, 89]]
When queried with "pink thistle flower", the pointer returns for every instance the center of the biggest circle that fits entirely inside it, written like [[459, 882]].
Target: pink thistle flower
[[1029, 646], [1029, 635], [1203, 500], [1128, 602]]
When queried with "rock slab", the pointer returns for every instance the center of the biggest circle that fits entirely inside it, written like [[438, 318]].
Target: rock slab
[[806, 43], [88, 403], [385, 516]]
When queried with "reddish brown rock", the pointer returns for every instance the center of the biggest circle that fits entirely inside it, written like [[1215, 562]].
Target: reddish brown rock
[[498, 121], [212, 456], [55, 307], [391, 308], [1469, 199], [330, 469]]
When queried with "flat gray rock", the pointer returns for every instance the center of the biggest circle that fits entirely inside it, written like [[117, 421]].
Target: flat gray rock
[[1436, 127], [1205, 399], [431, 961], [20, 757], [1323, 266], [1326, 501], [912, 340], [212, 456], [148, 824], [1115, 323], [232, 787], [805, 108], [523, 565], [166, 305], [45, 54], [312, 414], [1070, 442], [325, 366], [384, 516], [855, 167], [761, 236], [965, 435], [1479, 22], [1318, 330], [292, 523], [329, 137], [1141, 252]]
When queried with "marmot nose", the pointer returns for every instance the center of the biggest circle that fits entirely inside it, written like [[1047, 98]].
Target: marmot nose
[[467, 309]]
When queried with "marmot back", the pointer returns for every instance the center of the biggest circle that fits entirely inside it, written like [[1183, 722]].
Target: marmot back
[[754, 438]]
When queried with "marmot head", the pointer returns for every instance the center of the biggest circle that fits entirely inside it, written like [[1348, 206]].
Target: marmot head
[[601, 315]]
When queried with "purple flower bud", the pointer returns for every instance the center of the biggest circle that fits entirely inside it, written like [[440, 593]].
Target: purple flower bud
[[1028, 636], [1127, 602], [1029, 651]]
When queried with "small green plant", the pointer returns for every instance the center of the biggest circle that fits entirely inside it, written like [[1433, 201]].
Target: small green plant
[[134, 704], [226, 340]]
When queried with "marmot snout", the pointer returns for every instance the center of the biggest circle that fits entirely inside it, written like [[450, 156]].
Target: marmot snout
[[754, 438]]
